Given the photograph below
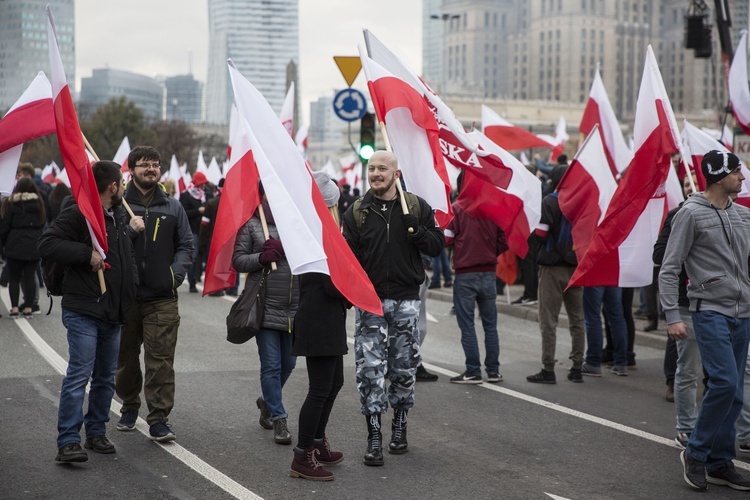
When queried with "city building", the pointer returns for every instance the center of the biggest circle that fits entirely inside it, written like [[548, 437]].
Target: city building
[[261, 37], [184, 99], [105, 83], [23, 44], [433, 28]]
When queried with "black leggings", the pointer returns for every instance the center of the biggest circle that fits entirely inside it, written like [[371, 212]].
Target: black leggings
[[326, 376], [17, 269]]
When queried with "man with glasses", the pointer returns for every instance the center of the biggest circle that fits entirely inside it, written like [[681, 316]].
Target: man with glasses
[[163, 247]]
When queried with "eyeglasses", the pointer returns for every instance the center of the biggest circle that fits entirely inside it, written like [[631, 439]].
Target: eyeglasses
[[155, 166]]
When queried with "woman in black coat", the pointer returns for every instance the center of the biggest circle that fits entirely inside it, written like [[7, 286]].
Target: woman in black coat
[[21, 221], [320, 336]]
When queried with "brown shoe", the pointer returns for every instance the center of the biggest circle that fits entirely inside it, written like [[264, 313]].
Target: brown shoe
[[670, 391], [325, 455], [306, 466]]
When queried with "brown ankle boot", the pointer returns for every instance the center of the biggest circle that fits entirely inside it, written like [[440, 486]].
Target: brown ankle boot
[[325, 455], [306, 466]]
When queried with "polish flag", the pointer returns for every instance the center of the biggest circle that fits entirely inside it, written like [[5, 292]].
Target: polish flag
[[239, 200], [287, 111], [516, 210], [739, 94], [121, 158], [175, 174], [312, 241], [508, 136], [697, 143], [724, 136], [301, 140], [201, 166], [599, 112], [63, 177], [70, 139], [587, 188], [414, 136], [49, 172], [561, 137], [622, 245]]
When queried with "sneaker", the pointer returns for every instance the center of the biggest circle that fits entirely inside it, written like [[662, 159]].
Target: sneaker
[[14, 315], [591, 371], [265, 414], [193, 288], [694, 471], [543, 377], [529, 302], [281, 434], [71, 452], [575, 375], [127, 420], [682, 439], [518, 301], [465, 378], [494, 378], [99, 444], [447, 285], [728, 476], [27, 314], [424, 376], [433, 286], [620, 370], [161, 433], [744, 447]]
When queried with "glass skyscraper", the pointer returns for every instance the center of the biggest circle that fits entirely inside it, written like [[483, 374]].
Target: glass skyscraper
[[261, 37]]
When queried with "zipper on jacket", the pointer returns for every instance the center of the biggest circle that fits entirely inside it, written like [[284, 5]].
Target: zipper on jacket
[[736, 265], [171, 272], [145, 240], [156, 228]]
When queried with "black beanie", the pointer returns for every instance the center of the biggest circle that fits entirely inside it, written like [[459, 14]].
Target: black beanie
[[718, 164]]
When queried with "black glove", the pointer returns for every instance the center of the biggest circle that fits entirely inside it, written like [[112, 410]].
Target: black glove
[[410, 221]]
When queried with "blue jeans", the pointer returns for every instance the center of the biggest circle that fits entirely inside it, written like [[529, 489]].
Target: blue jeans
[[441, 265], [594, 297], [722, 342], [479, 288], [276, 364], [93, 345], [195, 268]]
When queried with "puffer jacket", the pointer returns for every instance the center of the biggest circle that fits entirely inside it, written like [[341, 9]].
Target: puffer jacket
[[282, 288], [22, 227]]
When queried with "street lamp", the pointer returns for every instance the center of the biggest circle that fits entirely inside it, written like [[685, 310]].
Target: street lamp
[[445, 17]]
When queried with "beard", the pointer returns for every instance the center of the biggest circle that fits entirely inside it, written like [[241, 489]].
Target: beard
[[145, 183], [381, 191], [116, 200]]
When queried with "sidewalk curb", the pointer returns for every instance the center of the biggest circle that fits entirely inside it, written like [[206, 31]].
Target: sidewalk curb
[[656, 340]]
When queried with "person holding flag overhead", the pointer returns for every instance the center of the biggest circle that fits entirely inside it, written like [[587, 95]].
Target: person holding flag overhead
[[387, 242]]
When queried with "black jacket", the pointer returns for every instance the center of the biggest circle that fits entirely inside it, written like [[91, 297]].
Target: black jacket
[[388, 253], [556, 247], [191, 206], [320, 322], [660, 247], [21, 228], [68, 242], [164, 250]]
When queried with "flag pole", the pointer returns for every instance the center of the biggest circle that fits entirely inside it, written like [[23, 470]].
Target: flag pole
[[404, 207], [264, 224], [96, 157]]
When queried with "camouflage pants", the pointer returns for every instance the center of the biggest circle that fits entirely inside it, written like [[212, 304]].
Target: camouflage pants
[[387, 345]]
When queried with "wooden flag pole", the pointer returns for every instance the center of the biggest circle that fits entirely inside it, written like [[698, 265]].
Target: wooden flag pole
[[99, 273], [404, 207], [96, 157], [264, 224]]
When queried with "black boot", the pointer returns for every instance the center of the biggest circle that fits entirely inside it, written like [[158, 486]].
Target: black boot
[[374, 453], [398, 444]]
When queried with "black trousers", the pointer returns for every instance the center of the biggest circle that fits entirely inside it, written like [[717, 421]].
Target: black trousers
[[21, 275], [326, 377]]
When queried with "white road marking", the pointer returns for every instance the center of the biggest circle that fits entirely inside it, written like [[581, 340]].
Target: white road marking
[[190, 459], [555, 497]]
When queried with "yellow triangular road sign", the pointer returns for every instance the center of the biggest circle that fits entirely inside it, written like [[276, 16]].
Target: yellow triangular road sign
[[350, 66]]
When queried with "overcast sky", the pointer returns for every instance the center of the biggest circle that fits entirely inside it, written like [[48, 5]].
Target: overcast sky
[[153, 37]]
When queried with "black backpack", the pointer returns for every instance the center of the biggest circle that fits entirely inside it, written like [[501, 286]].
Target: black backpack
[[52, 275]]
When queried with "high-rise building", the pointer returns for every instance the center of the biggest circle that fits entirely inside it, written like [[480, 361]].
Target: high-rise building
[[261, 37], [184, 100], [105, 83], [432, 43], [23, 44]]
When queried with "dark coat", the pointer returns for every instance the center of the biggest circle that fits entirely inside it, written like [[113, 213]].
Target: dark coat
[[192, 206], [68, 242], [320, 322], [21, 228]]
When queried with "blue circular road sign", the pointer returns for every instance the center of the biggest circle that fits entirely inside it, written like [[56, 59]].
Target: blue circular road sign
[[349, 104]]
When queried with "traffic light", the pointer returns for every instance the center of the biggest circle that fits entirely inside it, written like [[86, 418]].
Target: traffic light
[[366, 136]]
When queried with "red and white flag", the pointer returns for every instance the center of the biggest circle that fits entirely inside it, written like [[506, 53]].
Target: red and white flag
[[121, 158], [70, 139], [623, 243], [239, 199], [175, 174], [213, 173], [49, 172], [414, 137], [599, 111], [287, 111], [201, 165], [508, 136], [516, 210], [739, 93], [30, 117], [587, 188], [301, 140], [312, 241]]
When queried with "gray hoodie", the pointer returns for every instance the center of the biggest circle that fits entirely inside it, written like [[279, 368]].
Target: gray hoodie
[[714, 246]]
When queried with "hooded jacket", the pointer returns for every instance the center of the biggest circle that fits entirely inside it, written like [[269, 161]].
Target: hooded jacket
[[164, 250], [714, 245], [21, 228]]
